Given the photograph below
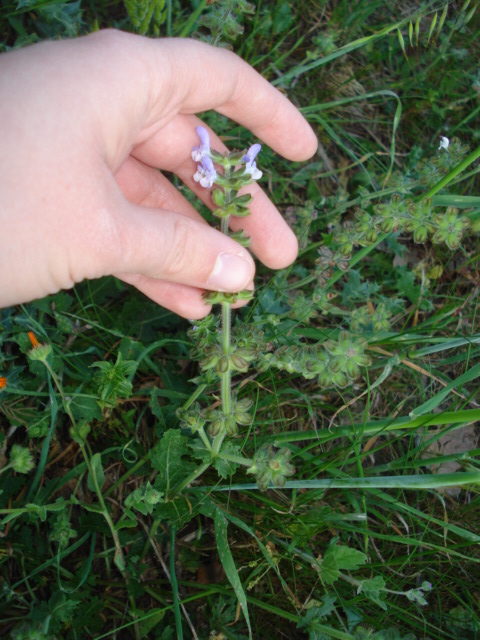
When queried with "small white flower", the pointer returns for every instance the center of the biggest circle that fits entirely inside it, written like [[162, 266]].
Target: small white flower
[[250, 164], [206, 174], [444, 143]]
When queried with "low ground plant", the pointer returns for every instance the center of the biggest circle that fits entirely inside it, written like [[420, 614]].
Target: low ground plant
[[303, 467]]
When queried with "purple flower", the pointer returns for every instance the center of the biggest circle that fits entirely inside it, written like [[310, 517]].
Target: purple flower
[[250, 164], [198, 153], [206, 174]]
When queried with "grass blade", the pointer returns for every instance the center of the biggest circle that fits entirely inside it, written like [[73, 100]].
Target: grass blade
[[433, 403], [173, 577], [352, 46], [228, 564], [413, 482]]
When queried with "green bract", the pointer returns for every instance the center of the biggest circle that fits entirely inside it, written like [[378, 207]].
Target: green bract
[[21, 460]]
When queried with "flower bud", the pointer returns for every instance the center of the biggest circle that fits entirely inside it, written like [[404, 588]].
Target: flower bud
[[244, 404], [237, 363], [337, 364], [239, 212], [21, 460], [218, 197], [386, 225], [352, 369], [222, 365], [246, 353], [340, 380], [371, 235], [40, 353], [243, 418], [216, 427], [435, 272], [231, 426], [244, 200], [80, 432], [325, 379], [420, 235], [241, 238], [346, 249], [209, 361]]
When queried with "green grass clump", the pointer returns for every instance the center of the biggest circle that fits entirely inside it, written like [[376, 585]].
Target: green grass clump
[[364, 367]]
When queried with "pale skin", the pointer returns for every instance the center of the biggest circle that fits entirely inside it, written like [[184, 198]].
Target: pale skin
[[86, 124]]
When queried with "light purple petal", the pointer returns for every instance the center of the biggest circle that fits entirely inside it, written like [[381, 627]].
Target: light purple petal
[[204, 137], [206, 174], [199, 152], [250, 164], [252, 153]]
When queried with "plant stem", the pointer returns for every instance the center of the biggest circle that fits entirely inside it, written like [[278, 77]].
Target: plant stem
[[226, 377], [205, 439], [198, 391], [246, 462], [190, 478]]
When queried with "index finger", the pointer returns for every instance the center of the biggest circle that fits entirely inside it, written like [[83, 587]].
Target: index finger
[[203, 77]]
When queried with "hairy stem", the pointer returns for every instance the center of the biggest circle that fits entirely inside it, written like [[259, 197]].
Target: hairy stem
[[226, 377]]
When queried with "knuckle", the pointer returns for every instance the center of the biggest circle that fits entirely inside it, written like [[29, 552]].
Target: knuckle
[[181, 253], [108, 246], [110, 38]]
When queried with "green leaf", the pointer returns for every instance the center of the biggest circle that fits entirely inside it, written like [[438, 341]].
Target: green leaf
[[407, 285], [114, 380], [176, 512], [150, 621], [93, 508], [128, 521], [166, 457], [199, 451], [346, 557], [85, 408], [154, 405], [143, 12], [338, 558], [228, 564], [373, 588], [329, 570], [226, 468], [358, 289], [315, 617], [96, 475]]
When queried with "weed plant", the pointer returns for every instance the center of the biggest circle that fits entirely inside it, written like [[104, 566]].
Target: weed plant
[[316, 474]]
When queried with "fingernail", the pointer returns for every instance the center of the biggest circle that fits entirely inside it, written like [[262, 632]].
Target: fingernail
[[230, 273]]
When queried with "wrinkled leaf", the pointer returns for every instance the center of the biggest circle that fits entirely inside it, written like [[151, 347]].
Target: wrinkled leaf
[[167, 458], [96, 475], [339, 558]]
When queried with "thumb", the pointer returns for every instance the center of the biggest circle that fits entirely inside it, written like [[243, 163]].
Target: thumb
[[175, 248]]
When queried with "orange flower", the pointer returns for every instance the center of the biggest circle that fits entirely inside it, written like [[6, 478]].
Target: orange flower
[[3, 382], [33, 339]]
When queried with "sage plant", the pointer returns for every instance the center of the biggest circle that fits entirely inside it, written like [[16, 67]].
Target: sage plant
[[220, 353]]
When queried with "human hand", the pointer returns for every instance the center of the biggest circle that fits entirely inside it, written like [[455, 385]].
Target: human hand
[[85, 126]]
